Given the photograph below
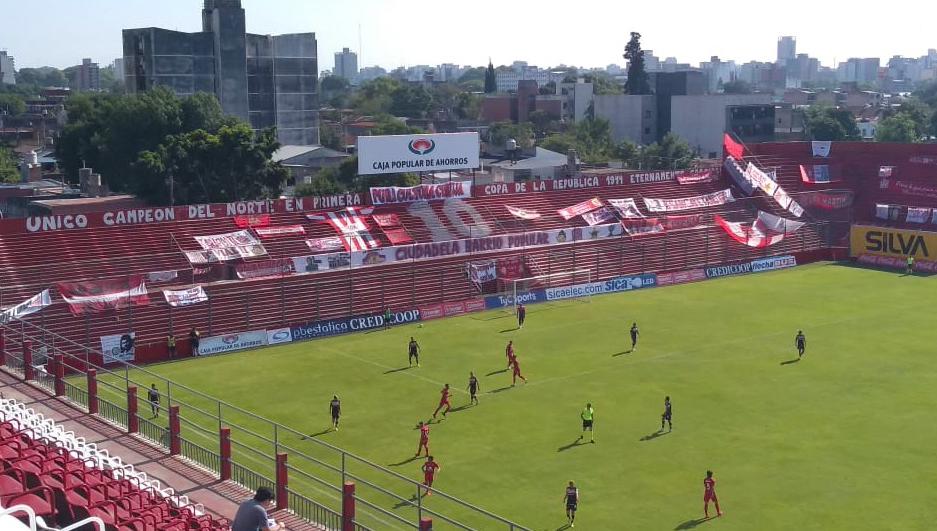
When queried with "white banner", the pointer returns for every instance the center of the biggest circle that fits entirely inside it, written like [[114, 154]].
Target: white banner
[[27, 307], [579, 209], [688, 203], [821, 148], [321, 262], [185, 297], [626, 208], [278, 336], [330, 243], [483, 272], [251, 251], [424, 192], [918, 215], [772, 223], [224, 241], [598, 216], [761, 180], [118, 347], [417, 153], [200, 257], [522, 213], [881, 211], [231, 342], [282, 230]]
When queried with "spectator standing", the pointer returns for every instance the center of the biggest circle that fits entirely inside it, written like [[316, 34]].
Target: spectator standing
[[194, 338], [171, 345]]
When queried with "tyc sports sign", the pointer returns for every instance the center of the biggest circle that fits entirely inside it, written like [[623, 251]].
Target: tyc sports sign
[[417, 153], [884, 241]]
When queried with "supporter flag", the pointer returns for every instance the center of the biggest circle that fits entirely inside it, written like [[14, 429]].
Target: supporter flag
[[697, 177], [27, 307], [627, 208], [886, 171], [598, 216], [481, 272], [579, 209], [257, 220], [398, 236], [386, 220], [638, 227], [353, 229], [522, 213], [732, 148], [821, 148], [185, 297], [765, 231], [330, 243], [881, 211], [281, 230], [918, 215], [101, 295]]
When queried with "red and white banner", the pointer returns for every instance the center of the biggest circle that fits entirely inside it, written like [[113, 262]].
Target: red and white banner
[[481, 272], [732, 148], [398, 236], [770, 223], [353, 230], [817, 174], [331, 243], [101, 295], [226, 241], [765, 231], [423, 192], [512, 267], [895, 262], [626, 208], [185, 297], [908, 188], [247, 251], [200, 257], [282, 230], [681, 222], [579, 209], [697, 177], [761, 180], [687, 203], [918, 215], [681, 277], [598, 216], [27, 307], [264, 269], [639, 227], [437, 311], [386, 220], [245, 222], [522, 213]]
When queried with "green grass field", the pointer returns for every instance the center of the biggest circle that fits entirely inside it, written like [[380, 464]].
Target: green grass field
[[844, 439]]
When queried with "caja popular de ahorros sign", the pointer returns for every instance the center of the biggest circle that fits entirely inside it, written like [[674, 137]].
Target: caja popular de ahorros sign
[[417, 153]]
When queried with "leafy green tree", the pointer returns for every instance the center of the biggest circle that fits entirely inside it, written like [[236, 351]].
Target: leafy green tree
[[626, 151], [43, 77], [389, 125], [9, 174], [491, 83], [672, 153], [602, 84], [375, 96], [917, 111], [559, 142], [737, 86], [468, 106], [322, 183], [637, 76], [330, 137], [12, 104], [828, 123], [230, 165], [110, 82], [335, 90], [500, 132], [900, 127], [543, 123], [473, 79], [410, 101]]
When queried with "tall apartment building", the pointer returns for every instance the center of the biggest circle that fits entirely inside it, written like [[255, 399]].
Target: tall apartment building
[[87, 77], [266, 80], [346, 65], [787, 49], [7, 69]]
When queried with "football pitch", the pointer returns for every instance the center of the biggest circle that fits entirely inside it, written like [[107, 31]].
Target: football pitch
[[842, 439]]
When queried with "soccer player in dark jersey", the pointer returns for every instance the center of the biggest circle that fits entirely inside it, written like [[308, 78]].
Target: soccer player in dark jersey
[[509, 352], [414, 352], [424, 439], [443, 401], [572, 503], [473, 388], [430, 468], [335, 409], [709, 494], [801, 342], [521, 315], [668, 414], [152, 396], [517, 372], [634, 337]]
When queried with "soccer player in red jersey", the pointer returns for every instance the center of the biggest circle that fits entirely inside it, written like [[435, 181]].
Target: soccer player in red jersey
[[430, 468], [517, 372], [443, 401], [709, 494], [509, 352], [424, 439]]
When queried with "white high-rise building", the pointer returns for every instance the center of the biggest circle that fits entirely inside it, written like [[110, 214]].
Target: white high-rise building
[[787, 49], [7, 69], [346, 65]]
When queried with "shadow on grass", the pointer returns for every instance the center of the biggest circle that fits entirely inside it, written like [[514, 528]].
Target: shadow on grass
[[500, 389], [411, 502], [405, 461], [391, 371], [690, 524], [496, 372], [622, 353], [578, 442], [463, 407], [652, 436], [313, 435], [788, 362], [562, 527], [903, 273], [510, 329]]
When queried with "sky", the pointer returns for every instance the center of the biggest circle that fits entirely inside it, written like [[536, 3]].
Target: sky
[[586, 33]]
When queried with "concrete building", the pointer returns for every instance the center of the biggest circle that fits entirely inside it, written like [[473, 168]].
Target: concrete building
[[118, 66], [87, 77], [7, 69], [577, 97], [859, 70], [507, 80], [701, 120], [368, 73], [516, 107], [265, 80], [666, 85], [305, 161], [787, 50], [718, 73], [346, 65], [632, 118]]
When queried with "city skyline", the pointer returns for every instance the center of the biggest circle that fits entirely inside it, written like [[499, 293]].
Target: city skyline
[[391, 31]]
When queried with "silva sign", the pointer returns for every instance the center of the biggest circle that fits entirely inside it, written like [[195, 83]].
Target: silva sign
[[883, 241], [416, 153]]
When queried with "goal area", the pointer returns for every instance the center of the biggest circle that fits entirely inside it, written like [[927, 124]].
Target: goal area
[[551, 280]]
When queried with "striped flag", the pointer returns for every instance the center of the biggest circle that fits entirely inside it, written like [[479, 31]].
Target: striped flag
[[353, 229]]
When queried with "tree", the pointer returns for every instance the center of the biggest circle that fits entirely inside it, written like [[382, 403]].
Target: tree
[[500, 132], [468, 106], [828, 123], [374, 96], [473, 79], [637, 77], [591, 138], [335, 90], [543, 123], [9, 173], [548, 89], [602, 84], [737, 86], [386, 124], [322, 183], [626, 151], [491, 83], [12, 104], [110, 82], [559, 142], [900, 127], [672, 153], [43, 77], [330, 138], [202, 167]]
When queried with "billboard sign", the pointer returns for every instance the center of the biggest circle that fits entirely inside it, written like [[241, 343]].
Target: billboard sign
[[416, 153]]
